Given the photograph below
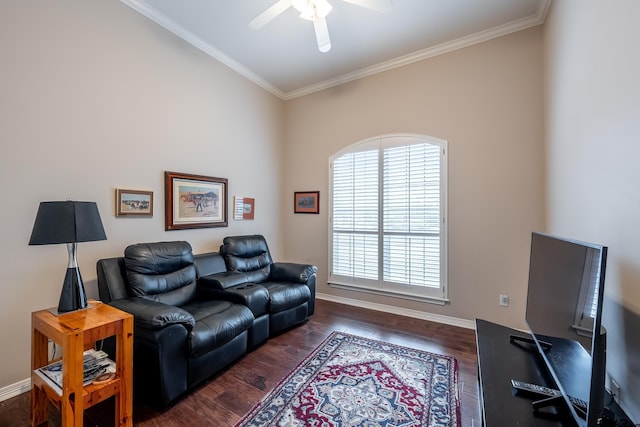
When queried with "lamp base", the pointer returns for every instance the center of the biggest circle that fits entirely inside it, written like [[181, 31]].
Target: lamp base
[[73, 296], [55, 312]]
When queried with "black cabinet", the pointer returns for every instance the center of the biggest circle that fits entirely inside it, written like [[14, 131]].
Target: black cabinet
[[499, 361]]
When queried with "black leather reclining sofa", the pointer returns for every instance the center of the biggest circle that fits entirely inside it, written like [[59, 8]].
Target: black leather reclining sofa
[[196, 314]]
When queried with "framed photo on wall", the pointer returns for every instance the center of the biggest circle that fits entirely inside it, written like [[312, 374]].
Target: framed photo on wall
[[194, 201], [243, 208], [306, 202], [134, 203]]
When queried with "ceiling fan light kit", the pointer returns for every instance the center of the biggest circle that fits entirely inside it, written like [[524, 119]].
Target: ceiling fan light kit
[[316, 11], [312, 9]]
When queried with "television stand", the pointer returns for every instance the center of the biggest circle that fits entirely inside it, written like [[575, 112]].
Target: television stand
[[498, 362]]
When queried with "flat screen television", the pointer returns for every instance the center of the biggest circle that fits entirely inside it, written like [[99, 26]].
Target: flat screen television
[[564, 317]]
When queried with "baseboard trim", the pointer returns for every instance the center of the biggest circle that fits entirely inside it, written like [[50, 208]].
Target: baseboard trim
[[15, 389], [447, 320]]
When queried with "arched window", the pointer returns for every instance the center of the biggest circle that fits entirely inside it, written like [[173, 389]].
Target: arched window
[[387, 217]]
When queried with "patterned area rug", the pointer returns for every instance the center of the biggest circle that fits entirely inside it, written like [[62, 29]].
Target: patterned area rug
[[354, 381]]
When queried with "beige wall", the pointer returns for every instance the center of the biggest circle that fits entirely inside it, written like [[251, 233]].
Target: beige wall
[[486, 101], [94, 97], [593, 130]]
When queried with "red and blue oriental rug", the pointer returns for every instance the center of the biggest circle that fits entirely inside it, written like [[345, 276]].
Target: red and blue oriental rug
[[354, 381]]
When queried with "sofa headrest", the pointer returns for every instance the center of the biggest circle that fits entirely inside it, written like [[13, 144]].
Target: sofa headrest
[[245, 246], [161, 271], [247, 254]]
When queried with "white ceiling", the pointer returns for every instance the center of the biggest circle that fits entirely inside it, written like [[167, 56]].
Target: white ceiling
[[283, 57]]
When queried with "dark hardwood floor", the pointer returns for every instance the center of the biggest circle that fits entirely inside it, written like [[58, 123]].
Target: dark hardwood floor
[[232, 393]]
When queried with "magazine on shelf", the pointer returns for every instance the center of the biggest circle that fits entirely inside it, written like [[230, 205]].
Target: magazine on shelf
[[96, 363]]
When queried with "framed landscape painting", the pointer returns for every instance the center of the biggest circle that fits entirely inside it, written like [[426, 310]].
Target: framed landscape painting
[[306, 202], [194, 201], [134, 203]]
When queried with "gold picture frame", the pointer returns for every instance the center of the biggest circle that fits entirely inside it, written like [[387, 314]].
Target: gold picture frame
[[136, 203]]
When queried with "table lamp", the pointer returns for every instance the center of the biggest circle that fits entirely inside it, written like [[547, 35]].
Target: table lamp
[[68, 222]]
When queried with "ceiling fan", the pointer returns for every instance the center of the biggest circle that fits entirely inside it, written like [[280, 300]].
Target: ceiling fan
[[316, 11]]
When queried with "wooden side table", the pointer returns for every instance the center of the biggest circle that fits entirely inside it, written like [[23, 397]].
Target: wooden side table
[[76, 332]]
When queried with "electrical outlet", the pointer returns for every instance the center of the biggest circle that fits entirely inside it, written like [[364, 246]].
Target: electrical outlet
[[615, 390], [504, 300]]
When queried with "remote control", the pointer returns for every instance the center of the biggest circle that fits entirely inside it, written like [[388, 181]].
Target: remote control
[[546, 391], [534, 388]]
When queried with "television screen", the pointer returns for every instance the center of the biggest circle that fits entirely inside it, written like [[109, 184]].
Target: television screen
[[563, 314]]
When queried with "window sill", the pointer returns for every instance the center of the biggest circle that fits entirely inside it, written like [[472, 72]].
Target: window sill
[[393, 294]]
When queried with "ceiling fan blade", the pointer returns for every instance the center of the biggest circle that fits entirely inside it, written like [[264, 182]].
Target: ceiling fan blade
[[265, 17], [322, 34], [377, 5]]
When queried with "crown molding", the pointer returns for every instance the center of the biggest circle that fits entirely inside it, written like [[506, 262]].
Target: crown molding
[[483, 36], [197, 42]]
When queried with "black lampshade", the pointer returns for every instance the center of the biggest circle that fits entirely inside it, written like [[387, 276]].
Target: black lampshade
[[68, 222]]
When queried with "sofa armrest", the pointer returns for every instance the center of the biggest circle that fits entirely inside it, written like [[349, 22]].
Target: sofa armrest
[[291, 272], [223, 280], [149, 314]]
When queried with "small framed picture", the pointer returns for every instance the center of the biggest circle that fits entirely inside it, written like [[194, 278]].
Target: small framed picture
[[134, 203], [243, 208], [248, 207], [306, 202], [194, 201]]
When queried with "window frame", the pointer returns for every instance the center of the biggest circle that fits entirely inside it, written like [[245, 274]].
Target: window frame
[[434, 295]]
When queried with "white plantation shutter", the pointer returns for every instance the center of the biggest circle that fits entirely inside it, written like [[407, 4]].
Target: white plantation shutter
[[387, 213], [411, 212], [355, 213]]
